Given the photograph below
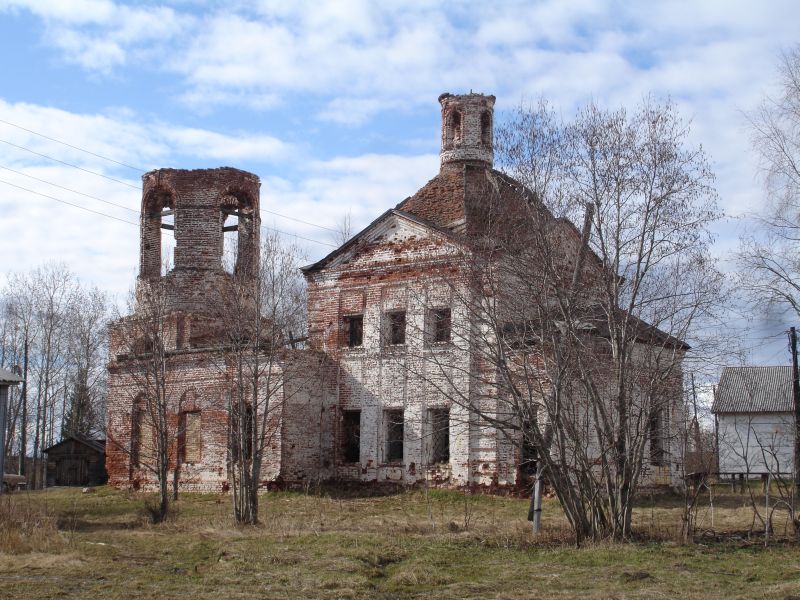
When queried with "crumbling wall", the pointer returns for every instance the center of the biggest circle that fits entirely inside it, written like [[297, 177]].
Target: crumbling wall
[[402, 267]]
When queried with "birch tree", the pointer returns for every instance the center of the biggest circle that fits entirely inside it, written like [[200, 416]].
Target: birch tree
[[769, 260], [153, 433]]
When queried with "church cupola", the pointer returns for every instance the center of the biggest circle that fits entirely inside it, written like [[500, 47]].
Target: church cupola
[[467, 129]]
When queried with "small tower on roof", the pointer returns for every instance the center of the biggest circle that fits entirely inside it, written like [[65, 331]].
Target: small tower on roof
[[467, 121]]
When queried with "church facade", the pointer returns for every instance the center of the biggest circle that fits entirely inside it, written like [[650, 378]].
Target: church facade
[[391, 340]]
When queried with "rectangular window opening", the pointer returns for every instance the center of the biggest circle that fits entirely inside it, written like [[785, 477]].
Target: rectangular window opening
[[441, 325], [394, 435], [528, 458], [440, 435], [396, 327], [657, 454], [351, 436], [519, 336], [354, 330]]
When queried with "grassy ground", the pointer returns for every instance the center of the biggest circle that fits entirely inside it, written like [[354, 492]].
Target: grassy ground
[[64, 544]]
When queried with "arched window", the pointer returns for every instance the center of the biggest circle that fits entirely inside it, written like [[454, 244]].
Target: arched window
[[190, 433], [486, 129], [455, 127], [158, 233], [238, 235], [142, 438]]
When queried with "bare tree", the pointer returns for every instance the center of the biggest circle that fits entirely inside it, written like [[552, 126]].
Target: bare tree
[[54, 292], [15, 336], [53, 328], [146, 337], [84, 412], [769, 261], [344, 230], [576, 335], [263, 316]]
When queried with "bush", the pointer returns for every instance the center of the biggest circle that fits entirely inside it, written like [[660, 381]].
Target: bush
[[26, 528]]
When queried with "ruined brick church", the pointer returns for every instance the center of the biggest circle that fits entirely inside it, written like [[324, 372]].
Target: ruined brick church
[[380, 317]]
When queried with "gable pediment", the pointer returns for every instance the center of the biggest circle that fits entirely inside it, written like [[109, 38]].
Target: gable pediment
[[390, 237]]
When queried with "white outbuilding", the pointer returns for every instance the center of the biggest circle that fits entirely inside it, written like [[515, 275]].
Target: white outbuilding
[[754, 413]]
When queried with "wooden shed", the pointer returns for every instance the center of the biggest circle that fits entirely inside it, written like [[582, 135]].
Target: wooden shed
[[78, 461]]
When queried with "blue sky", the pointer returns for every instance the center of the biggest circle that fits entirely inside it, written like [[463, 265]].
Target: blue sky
[[334, 104]]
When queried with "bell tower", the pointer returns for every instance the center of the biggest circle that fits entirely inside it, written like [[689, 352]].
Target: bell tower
[[467, 122], [203, 209]]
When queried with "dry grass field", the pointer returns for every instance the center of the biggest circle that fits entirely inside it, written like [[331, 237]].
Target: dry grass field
[[61, 543]]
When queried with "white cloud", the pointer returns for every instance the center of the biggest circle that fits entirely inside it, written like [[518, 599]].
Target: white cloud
[[100, 35], [73, 12], [208, 144]]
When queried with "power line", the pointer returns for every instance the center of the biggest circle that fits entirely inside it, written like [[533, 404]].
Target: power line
[[137, 188], [47, 137], [97, 212], [69, 189], [19, 187], [71, 165], [272, 212]]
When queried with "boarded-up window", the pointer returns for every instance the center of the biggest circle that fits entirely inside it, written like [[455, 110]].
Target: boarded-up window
[[394, 435], [142, 438], [440, 435], [351, 436], [191, 438]]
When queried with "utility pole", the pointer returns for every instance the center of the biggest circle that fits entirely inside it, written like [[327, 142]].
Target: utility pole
[[23, 430], [796, 400], [7, 378]]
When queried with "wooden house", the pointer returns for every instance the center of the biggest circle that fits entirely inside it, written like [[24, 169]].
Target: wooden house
[[77, 461]]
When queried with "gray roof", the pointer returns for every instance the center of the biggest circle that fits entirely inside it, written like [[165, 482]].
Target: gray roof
[[754, 389], [8, 377]]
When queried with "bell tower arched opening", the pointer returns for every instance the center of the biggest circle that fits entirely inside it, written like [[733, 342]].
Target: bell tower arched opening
[[238, 241], [157, 234]]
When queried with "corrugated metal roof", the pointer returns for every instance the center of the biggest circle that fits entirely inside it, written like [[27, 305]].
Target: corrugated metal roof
[[754, 389]]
